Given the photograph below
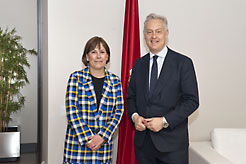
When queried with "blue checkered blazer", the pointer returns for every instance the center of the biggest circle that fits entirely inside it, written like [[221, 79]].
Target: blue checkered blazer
[[85, 120]]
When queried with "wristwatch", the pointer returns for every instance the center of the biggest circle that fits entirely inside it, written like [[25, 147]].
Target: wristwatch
[[165, 123]]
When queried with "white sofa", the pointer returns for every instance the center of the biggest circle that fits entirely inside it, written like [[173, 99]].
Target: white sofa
[[227, 146]]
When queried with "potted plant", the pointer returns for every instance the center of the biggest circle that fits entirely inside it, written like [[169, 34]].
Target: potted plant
[[13, 77]]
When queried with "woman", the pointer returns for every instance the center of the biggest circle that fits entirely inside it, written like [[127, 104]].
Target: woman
[[94, 107]]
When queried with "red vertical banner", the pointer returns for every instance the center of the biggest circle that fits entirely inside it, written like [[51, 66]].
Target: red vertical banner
[[130, 52]]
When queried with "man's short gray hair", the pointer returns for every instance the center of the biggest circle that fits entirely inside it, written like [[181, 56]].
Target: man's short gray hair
[[155, 16]]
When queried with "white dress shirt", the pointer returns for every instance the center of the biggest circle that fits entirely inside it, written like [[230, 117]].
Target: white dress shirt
[[160, 60]]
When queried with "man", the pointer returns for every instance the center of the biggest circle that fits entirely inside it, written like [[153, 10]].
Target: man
[[162, 94]]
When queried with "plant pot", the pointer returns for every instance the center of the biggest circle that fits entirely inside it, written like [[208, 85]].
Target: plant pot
[[10, 144]]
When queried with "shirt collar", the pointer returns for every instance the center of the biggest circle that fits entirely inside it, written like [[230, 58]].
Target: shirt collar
[[162, 53]]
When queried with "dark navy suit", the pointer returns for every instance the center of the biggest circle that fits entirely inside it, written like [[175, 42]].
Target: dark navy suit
[[175, 97]]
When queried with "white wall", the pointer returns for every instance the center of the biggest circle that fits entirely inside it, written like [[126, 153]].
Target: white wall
[[23, 16], [210, 32]]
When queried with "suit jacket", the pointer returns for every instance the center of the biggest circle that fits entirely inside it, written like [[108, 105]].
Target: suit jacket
[[85, 120], [175, 97]]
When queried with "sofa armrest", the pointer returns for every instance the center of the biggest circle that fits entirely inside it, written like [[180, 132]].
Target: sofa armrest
[[203, 153]]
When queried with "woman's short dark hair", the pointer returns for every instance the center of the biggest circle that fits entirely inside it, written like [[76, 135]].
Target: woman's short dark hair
[[91, 45]]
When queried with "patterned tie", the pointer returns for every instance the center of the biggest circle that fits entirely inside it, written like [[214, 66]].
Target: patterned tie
[[154, 74]]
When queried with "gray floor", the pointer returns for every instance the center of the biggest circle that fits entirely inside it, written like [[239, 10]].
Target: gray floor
[[26, 158]]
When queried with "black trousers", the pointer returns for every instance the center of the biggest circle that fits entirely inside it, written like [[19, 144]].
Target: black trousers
[[148, 154]]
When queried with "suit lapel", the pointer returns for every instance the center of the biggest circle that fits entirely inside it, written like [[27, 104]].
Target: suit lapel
[[87, 82], [145, 75], [165, 73]]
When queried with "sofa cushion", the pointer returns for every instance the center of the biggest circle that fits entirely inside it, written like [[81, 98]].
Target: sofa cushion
[[201, 152], [231, 143]]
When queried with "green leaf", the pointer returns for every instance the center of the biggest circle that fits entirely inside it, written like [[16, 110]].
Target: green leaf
[[13, 77]]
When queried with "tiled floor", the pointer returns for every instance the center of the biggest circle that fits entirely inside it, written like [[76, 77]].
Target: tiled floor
[[26, 158]]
